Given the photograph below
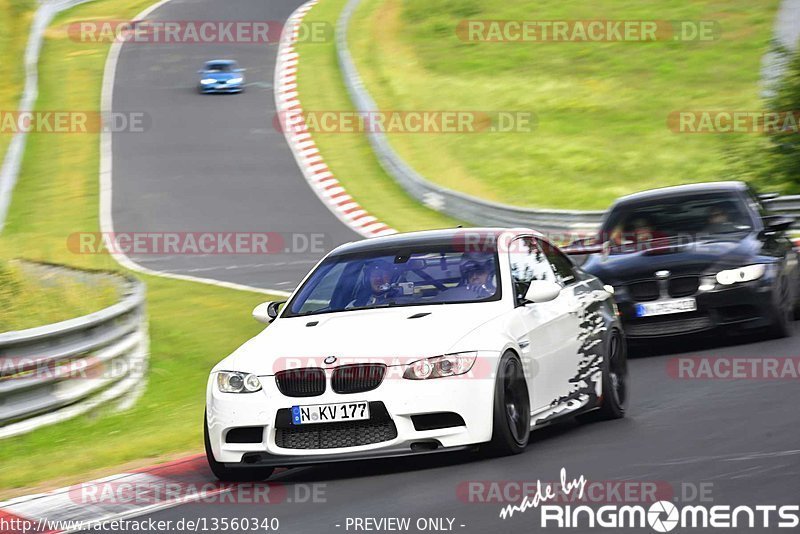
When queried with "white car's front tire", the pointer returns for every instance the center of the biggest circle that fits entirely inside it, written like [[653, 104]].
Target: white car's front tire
[[512, 414]]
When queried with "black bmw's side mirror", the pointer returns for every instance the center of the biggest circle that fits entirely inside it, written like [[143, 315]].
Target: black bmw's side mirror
[[774, 224]]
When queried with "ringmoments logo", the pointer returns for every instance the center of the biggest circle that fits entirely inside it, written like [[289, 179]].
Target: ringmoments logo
[[660, 516], [664, 516]]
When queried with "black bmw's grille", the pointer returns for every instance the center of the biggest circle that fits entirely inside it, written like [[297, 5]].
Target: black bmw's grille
[[644, 291], [357, 378], [305, 382], [683, 286], [378, 428], [680, 286]]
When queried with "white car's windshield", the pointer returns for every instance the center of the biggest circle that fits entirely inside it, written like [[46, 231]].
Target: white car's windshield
[[397, 278]]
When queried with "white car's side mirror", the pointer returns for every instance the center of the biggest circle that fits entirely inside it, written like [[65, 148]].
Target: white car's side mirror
[[266, 312], [542, 291]]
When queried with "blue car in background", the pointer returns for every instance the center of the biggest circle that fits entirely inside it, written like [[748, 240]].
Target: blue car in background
[[221, 76]]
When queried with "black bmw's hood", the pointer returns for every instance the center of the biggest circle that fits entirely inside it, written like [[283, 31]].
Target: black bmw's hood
[[698, 257]]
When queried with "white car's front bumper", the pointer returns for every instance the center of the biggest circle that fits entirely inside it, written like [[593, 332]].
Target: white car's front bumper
[[470, 396]]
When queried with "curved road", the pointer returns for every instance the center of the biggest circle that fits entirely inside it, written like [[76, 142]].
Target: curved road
[[215, 163]]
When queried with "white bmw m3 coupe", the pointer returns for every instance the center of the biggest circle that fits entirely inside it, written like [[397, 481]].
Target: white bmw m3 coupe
[[418, 343]]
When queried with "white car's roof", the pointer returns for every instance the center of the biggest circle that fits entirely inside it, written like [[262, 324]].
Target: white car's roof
[[428, 237]]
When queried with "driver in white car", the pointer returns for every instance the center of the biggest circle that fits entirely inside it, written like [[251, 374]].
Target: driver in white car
[[377, 286]]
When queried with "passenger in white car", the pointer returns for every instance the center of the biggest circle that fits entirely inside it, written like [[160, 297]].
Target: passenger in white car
[[475, 282]]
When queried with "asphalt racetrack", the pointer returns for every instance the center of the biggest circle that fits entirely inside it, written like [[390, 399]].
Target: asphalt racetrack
[[215, 163]]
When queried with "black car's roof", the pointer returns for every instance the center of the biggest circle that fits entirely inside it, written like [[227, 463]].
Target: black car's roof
[[679, 190], [433, 238]]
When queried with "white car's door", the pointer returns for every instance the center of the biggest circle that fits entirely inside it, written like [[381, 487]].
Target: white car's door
[[547, 332]]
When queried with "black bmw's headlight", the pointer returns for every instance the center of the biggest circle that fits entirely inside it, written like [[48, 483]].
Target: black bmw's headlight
[[747, 273]]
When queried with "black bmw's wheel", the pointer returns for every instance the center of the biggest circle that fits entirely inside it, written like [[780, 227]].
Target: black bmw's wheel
[[227, 474], [615, 380], [512, 412]]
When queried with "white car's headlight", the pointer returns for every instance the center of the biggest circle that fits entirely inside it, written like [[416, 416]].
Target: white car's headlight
[[234, 382], [236, 80], [208, 81], [742, 274], [441, 366]]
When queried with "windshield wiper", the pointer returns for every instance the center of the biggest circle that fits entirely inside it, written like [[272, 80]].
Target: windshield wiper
[[382, 305]]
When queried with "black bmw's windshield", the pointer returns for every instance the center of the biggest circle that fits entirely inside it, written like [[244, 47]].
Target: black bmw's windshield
[[685, 217], [438, 275]]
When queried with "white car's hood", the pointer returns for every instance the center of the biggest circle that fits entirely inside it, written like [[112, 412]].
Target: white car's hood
[[381, 334]]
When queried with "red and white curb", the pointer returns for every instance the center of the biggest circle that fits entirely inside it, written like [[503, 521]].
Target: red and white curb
[[290, 112], [86, 505]]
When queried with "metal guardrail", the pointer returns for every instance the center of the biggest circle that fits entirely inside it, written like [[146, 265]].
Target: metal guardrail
[[456, 204], [790, 205], [54, 372]]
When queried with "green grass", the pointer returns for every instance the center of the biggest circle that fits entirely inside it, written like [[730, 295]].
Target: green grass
[[15, 19], [349, 155], [28, 301], [192, 325], [601, 107]]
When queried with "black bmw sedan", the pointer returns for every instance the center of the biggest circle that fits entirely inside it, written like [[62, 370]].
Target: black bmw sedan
[[696, 258]]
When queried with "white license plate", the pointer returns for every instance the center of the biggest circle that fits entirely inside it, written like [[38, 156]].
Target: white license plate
[[665, 307], [330, 413]]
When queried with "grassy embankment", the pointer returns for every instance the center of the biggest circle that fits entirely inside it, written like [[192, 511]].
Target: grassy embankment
[[602, 107]]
